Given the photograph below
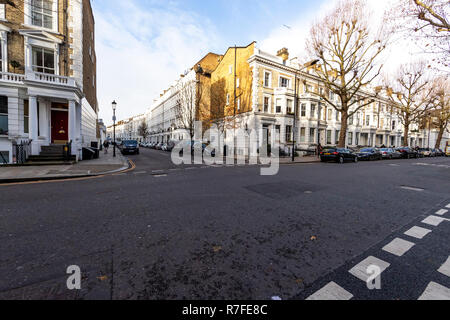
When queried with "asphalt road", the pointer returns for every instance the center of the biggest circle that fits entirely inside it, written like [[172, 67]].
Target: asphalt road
[[196, 232]]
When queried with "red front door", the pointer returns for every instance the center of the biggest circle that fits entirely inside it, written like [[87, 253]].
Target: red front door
[[60, 126]]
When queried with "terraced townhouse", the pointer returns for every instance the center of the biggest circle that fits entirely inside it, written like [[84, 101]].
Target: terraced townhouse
[[48, 89], [256, 90]]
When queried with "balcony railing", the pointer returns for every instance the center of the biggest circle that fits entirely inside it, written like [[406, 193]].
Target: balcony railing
[[11, 77], [39, 77], [50, 78]]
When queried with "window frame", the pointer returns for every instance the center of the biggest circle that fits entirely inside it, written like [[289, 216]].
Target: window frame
[[30, 10], [287, 80], [4, 114], [36, 67], [267, 85]]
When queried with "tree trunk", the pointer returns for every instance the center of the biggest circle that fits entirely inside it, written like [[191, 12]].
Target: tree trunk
[[439, 138], [406, 135], [343, 132]]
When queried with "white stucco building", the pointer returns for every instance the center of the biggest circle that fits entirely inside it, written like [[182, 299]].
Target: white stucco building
[[47, 75]]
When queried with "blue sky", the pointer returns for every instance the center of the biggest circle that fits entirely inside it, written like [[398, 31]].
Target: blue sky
[[143, 46]]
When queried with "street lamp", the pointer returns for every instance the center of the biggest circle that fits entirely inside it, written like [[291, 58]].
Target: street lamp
[[114, 106], [306, 65]]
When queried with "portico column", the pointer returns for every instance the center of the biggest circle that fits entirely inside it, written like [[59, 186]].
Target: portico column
[[73, 126], [33, 124]]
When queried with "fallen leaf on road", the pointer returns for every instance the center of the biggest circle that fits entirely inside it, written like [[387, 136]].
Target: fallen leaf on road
[[217, 248], [299, 281], [313, 238], [102, 278]]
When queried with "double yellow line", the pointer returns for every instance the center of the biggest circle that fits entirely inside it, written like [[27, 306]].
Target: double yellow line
[[133, 166]]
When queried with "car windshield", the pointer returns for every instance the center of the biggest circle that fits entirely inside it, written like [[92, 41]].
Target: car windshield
[[329, 150], [130, 142], [366, 150], [385, 149]]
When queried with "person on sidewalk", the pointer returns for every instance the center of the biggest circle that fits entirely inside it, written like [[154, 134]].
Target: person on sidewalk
[[106, 146], [319, 149]]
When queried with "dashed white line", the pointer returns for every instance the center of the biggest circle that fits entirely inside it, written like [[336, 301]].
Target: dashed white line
[[435, 291], [360, 270], [412, 188], [441, 212], [433, 220], [398, 247], [331, 291], [448, 206], [160, 175], [417, 232], [445, 268]]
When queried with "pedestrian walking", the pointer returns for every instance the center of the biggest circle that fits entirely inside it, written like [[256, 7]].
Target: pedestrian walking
[[106, 146]]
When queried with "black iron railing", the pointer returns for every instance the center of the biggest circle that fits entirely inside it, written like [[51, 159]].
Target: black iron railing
[[21, 151]]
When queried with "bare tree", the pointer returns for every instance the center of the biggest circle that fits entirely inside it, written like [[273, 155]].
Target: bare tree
[[348, 50], [143, 130], [428, 22], [410, 94], [187, 109], [440, 112]]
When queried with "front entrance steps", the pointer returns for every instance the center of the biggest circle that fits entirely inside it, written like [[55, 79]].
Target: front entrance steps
[[51, 155]]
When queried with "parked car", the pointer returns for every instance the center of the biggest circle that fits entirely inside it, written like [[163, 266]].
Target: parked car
[[369, 154], [390, 153], [158, 146], [339, 155], [169, 146], [439, 153], [408, 153], [130, 147], [427, 152]]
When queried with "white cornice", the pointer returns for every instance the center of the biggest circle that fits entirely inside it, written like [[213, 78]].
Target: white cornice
[[40, 34]]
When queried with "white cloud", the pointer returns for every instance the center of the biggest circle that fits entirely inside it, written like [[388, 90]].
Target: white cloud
[[142, 51]]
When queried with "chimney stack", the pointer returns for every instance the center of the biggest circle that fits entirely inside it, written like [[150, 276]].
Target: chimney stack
[[284, 54]]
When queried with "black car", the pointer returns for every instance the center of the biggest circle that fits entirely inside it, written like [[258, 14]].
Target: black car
[[130, 147], [338, 155], [408, 153], [370, 154]]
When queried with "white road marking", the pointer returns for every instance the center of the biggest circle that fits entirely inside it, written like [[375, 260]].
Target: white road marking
[[412, 188], [276, 298], [445, 268], [441, 212], [160, 175], [417, 232], [433, 220], [331, 291], [435, 291], [448, 206], [191, 168], [394, 165], [140, 172], [360, 270], [398, 247]]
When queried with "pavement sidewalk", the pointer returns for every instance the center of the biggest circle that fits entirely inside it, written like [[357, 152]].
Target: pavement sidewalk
[[104, 165], [300, 159]]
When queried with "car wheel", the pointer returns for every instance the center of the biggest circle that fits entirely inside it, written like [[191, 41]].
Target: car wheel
[[341, 160], [355, 159]]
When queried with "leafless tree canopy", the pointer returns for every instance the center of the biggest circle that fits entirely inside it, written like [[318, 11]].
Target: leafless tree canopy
[[143, 130], [410, 93], [428, 23], [348, 51], [440, 113]]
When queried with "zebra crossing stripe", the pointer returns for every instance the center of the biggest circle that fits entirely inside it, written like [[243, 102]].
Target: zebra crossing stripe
[[398, 247], [445, 268], [360, 270], [441, 212], [417, 232], [435, 291], [433, 220], [331, 291]]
